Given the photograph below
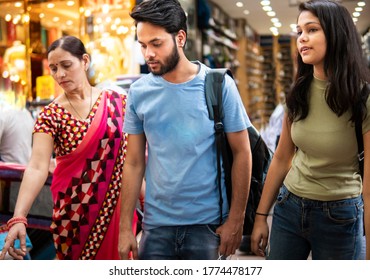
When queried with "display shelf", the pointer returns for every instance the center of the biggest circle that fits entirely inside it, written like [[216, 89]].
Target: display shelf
[[219, 40], [278, 68], [285, 60], [366, 45], [255, 85]]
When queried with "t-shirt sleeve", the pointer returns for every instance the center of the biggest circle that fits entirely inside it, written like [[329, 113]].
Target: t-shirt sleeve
[[236, 118]]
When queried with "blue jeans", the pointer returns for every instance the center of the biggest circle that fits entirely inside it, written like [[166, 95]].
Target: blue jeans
[[194, 242], [330, 230]]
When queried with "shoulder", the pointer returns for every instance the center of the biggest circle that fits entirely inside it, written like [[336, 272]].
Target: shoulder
[[145, 79], [52, 113]]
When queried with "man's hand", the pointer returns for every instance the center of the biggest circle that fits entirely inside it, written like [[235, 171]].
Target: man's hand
[[127, 243], [230, 237]]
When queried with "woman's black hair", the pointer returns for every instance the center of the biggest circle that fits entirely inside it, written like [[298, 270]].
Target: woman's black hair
[[344, 65], [71, 44], [165, 13]]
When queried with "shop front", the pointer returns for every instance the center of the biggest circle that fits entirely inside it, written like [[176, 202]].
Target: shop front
[[28, 27]]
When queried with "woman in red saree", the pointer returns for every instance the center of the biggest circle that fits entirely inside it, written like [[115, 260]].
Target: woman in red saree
[[83, 127]]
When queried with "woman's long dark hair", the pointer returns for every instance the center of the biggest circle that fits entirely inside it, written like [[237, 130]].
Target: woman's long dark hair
[[344, 65]]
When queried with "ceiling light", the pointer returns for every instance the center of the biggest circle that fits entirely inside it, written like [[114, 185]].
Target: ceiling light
[[239, 4], [358, 9], [265, 3], [361, 4], [267, 8], [18, 4], [277, 24], [274, 20], [271, 14], [356, 14], [70, 3], [50, 5], [246, 12], [273, 29]]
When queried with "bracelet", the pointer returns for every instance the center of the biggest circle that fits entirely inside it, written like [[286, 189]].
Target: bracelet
[[262, 214], [16, 220]]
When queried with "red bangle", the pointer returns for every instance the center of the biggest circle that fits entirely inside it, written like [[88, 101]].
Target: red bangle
[[16, 220]]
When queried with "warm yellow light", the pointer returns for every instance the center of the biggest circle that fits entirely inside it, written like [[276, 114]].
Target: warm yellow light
[[26, 18], [88, 13]]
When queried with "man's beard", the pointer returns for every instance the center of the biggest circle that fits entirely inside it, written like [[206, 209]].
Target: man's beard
[[169, 64]]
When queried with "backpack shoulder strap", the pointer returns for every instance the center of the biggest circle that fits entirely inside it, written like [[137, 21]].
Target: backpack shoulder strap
[[213, 93], [213, 90]]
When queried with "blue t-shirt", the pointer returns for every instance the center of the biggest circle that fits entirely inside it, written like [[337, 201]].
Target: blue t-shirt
[[181, 169]]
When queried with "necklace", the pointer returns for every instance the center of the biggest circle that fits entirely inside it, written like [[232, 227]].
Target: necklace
[[87, 119]]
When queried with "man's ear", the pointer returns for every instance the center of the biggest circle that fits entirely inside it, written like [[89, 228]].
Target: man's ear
[[181, 38]]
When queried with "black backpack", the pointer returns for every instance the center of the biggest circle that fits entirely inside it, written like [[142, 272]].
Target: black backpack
[[261, 154]]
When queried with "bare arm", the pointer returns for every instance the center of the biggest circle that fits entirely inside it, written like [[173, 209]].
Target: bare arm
[[133, 172], [280, 165], [366, 192], [34, 179], [232, 230]]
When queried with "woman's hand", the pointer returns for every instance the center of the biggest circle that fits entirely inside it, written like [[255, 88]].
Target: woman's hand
[[17, 231], [259, 237]]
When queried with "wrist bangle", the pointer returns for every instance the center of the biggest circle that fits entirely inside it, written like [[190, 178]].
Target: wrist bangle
[[262, 214], [16, 220]]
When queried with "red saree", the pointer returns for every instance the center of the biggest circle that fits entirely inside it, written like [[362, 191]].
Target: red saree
[[86, 188]]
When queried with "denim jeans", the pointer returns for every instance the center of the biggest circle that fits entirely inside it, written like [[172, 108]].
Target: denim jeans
[[330, 230], [194, 242]]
